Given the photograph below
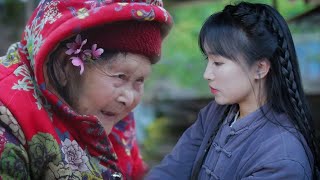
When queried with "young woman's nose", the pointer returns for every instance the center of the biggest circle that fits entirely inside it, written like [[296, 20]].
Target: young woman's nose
[[126, 97], [208, 74]]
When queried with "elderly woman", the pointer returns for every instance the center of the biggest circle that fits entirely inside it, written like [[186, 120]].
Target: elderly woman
[[68, 89]]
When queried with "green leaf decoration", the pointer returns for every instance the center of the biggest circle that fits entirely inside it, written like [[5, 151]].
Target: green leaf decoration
[[13, 162], [43, 150], [62, 171]]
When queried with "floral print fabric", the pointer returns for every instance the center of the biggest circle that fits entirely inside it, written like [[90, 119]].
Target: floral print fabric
[[65, 161]]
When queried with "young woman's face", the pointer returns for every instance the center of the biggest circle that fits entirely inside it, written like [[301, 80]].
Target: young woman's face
[[112, 90], [229, 81]]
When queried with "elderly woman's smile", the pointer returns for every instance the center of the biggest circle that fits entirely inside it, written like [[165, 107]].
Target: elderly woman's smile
[[108, 113]]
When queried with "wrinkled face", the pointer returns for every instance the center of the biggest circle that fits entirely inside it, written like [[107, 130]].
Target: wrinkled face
[[112, 90], [228, 80]]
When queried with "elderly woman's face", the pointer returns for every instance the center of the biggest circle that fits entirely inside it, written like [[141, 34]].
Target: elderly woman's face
[[112, 90]]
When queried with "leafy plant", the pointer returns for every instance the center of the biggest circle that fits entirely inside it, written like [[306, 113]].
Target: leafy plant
[[13, 12]]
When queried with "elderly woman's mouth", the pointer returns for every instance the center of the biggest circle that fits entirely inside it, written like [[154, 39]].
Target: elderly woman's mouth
[[108, 113]]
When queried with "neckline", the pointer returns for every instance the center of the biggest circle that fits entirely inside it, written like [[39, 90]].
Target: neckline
[[235, 118], [249, 119]]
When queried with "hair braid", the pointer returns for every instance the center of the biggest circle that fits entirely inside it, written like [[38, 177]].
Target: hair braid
[[287, 71], [302, 121], [255, 20], [257, 32]]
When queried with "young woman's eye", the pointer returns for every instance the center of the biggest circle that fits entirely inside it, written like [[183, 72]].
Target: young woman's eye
[[218, 63]]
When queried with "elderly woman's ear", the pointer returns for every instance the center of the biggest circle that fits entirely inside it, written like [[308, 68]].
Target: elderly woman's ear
[[60, 67], [61, 73]]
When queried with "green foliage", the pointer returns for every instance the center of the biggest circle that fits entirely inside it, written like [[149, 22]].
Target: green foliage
[[182, 62], [158, 141], [155, 134], [13, 12]]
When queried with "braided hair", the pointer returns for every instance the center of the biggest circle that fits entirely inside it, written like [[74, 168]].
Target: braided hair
[[257, 31]]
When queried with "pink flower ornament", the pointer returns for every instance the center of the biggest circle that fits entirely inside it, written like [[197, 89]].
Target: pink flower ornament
[[96, 53], [76, 61], [80, 57], [76, 46]]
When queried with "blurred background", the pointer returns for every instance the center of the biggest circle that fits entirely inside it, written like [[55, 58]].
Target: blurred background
[[176, 91]]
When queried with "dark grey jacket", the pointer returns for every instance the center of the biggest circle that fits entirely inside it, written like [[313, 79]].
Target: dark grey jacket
[[263, 145]]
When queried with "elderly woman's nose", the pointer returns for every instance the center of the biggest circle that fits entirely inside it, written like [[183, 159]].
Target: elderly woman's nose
[[126, 97]]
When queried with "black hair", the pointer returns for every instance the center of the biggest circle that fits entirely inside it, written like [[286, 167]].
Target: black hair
[[255, 32]]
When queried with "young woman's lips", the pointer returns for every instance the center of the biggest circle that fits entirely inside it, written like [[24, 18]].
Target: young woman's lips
[[213, 91]]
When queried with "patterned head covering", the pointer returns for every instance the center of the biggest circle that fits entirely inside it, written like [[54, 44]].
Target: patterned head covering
[[56, 20]]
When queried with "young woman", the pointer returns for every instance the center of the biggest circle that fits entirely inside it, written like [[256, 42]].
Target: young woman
[[68, 89], [259, 126]]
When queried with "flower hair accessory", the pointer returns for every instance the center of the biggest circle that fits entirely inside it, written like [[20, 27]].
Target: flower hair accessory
[[79, 55]]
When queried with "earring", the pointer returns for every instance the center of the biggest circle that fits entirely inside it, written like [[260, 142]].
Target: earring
[[259, 74]]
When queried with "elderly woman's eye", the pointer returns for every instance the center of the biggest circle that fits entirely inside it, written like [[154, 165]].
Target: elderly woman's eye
[[121, 76], [140, 80]]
